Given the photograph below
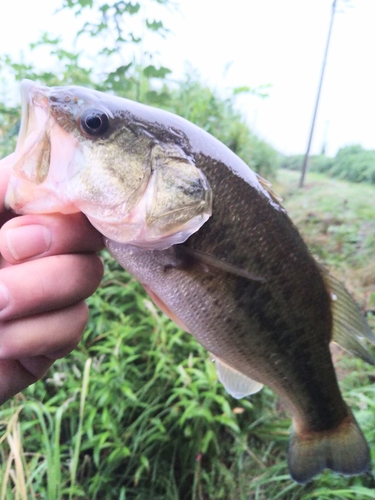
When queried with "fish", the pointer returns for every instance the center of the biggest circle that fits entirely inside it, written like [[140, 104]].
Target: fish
[[213, 247]]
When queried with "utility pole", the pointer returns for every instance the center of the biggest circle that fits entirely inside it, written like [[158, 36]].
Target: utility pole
[[306, 159]]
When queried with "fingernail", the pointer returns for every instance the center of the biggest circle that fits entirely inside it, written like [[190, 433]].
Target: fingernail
[[4, 297], [28, 241]]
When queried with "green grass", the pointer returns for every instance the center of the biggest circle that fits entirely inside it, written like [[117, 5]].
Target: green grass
[[335, 217], [136, 411]]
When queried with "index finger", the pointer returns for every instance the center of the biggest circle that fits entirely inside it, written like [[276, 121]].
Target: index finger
[[34, 236]]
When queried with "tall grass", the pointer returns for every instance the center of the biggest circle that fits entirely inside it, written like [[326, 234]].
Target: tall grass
[[136, 411]]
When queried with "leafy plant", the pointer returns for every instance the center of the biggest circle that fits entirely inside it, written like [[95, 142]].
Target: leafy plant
[[353, 163], [219, 116]]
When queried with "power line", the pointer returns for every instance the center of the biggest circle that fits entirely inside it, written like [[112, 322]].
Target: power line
[[307, 154]]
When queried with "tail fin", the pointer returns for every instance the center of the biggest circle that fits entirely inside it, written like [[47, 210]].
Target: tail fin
[[343, 450]]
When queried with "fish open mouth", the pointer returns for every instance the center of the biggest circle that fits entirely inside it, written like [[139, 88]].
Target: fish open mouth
[[33, 145], [34, 181]]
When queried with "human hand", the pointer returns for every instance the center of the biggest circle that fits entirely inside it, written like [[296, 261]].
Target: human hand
[[48, 267]]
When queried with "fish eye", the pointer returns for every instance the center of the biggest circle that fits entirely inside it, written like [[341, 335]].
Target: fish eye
[[94, 122]]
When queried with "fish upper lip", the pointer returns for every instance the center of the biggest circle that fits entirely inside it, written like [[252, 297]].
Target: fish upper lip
[[25, 112], [32, 96]]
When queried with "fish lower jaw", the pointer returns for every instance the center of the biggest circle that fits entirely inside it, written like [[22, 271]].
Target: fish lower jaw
[[137, 228], [19, 199], [141, 235]]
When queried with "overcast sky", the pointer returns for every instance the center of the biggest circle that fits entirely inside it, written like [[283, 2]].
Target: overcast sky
[[253, 42]]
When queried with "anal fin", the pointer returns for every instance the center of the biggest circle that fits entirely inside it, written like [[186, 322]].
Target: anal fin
[[235, 383]]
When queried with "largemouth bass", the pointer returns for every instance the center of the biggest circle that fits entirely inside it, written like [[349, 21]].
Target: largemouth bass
[[211, 245]]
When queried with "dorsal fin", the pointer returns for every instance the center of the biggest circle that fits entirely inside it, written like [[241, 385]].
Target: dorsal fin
[[267, 185], [235, 383], [350, 328]]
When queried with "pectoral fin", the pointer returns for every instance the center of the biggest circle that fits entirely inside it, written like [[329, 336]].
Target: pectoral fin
[[235, 383], [212, 262]]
